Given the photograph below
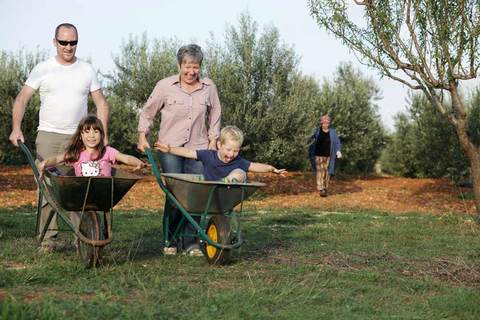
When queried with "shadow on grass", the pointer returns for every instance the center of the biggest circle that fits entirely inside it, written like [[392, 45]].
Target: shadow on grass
[[141, 239], [17, 222], [266, 236]]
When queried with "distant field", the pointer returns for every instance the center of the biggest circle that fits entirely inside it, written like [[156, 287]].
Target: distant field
[[296, 264]]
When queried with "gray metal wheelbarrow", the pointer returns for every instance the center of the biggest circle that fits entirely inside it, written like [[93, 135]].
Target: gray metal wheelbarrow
[[89, 196], [214, 201]]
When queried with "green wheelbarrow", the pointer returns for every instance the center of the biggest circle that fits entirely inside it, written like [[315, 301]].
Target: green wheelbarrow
[[93, 198], [213, 201]]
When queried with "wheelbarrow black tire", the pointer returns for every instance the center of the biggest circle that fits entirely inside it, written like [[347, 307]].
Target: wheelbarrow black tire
[[218, 230], [91, 228]]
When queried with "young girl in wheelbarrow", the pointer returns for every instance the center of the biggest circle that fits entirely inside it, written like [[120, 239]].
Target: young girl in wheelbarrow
[[88, 154], [223, 164]]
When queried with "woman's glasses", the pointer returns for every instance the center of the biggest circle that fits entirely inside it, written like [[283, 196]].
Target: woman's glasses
[[65, 43]]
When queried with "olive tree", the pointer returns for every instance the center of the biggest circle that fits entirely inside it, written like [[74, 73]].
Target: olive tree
[[427, 45], [14, 70], [263, 92], [139, 65], [424, 144]]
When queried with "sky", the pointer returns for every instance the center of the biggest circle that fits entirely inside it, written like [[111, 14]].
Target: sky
[[104, 24]]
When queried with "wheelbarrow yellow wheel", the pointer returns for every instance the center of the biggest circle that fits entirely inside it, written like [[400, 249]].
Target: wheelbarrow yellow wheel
[[218, 230], [90, 227]]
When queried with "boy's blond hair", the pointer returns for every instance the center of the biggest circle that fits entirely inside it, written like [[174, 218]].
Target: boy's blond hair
[[231, 133]]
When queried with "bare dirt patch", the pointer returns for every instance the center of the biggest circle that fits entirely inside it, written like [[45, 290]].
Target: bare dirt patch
[[3, 294], [297, 189]]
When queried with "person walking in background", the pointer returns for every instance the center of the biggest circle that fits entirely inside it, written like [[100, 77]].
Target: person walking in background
[[323, 152], [64, 83], [190, 117]]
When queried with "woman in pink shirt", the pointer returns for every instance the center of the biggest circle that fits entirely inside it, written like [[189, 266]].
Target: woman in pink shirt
[[190, 117], [88, 154]]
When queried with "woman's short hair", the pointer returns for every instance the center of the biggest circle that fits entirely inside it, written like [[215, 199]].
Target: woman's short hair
[[231, 133], [190, 51]]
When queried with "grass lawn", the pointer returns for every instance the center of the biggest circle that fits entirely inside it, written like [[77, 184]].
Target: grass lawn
[[296, 264]]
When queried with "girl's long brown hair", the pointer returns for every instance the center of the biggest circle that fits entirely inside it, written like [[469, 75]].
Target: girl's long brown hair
[[76, 144]]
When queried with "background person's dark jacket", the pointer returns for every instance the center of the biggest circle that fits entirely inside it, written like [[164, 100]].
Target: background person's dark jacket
[[335, 146]]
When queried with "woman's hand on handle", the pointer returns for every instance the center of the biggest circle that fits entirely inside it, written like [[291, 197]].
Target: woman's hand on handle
[[142, 143]]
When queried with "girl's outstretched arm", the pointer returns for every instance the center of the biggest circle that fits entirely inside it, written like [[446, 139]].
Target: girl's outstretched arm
[[130, 160], [42, 165]]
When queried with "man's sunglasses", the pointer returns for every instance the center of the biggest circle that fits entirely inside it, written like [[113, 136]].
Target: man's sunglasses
[[66, 43]]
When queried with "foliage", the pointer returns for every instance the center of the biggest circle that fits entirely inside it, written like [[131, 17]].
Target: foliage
[[396, 158], [140, 64], [263, 93], [473, 120], [425, 144], [423, 44], [14, 70], [350, 100], [123, 125]]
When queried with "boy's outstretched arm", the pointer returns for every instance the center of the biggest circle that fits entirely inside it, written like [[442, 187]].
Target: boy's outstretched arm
[[130, 160], [263, 167], [178, 151]]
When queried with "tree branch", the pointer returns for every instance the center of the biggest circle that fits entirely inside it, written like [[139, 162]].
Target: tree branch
[[418, 48]]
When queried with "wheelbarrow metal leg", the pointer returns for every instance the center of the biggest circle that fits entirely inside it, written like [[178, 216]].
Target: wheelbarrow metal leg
[[108, 219], [45, 227], [39, 212]]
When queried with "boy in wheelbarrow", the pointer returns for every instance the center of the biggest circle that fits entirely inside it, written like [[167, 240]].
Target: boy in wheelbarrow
[[223, 164]]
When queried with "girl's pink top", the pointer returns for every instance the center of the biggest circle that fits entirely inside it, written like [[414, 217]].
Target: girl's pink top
[[87, 167]]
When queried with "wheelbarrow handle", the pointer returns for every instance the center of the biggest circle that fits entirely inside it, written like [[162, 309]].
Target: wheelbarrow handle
[[30, 159], [156, 168], [154, 160]]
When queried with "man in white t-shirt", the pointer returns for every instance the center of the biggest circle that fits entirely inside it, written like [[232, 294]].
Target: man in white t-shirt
[[64, 84]]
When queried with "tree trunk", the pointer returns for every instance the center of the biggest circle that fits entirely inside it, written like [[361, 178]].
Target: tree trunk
[[472, 152], [475, 165]]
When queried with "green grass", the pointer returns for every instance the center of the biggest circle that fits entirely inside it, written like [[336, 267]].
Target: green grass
[[296, 264]]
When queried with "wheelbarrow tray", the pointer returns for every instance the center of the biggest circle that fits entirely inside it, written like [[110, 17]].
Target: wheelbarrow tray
[[70, 191], [193, 193]]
